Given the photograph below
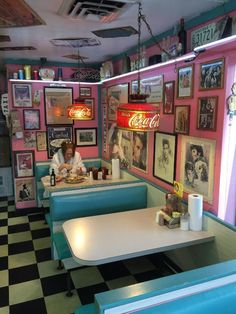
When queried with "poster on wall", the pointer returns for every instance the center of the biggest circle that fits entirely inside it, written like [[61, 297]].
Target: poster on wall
[[140, 150], [24, 190], [116, 95], [55, 136], [197, 166]]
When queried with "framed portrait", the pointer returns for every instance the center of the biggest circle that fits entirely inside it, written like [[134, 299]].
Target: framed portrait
[[182, 119], [140, 150], [29, 139], [197, 166], [24, 189], [212, 75], [164, 156], [152, 86], [168, 97], [116, 95], [86, 137], [24, 163], [41, 141], [22, 95], [55, 136], [56, 101], [185, 81], [207, 113], [31, 119], [85, 91]]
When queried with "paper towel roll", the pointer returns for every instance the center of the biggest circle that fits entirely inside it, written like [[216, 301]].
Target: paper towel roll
[[195, 204], [115, 168]]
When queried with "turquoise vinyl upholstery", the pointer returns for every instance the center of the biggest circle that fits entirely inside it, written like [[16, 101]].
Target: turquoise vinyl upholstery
[[214, 298]]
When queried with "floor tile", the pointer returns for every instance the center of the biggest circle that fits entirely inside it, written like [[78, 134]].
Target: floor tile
[[4, 278], [4, 230], [5, 310], [35, 306], [3, 262], [18, 228], [86, 277], [36, 217], [42, 243], [86, 294], [4, 215], [3, 222], [19, 237], [3, 203], [4, 299], [17, 220], [21, 274], [54, 284], [49, 268], [11, 208], [113, 270], [25, 291], [121, 282], [138, 265], [3, 239], [3, 250], [23, 259], [61, 304], [35, 225], [41, 233], [43, 255], [20, 247], [149, 275]]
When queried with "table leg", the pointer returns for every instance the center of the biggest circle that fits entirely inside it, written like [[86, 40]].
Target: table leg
[[68, 282]]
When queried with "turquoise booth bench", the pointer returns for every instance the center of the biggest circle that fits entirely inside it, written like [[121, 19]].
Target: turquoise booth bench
[[42, 169], [209, 289]]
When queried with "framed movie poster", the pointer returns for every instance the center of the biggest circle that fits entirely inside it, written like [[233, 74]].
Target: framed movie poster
[[24, 189], [207, 113], [168, 97], [56, 101], [164, 156], [185, 82], [56, 135], [212, 75], [22, 95], [140, 150], [41, 141], [197, 166], [31, 119], [182, 119], [24, 163], [86, 137], [116, 95]]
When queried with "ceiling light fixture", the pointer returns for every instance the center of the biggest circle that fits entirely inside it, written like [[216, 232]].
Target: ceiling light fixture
[[138, 115]]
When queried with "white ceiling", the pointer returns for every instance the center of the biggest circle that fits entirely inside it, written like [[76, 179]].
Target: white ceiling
[[160, 14]]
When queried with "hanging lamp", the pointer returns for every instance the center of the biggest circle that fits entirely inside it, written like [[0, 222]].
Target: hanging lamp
[[138, 115], [79, 110]]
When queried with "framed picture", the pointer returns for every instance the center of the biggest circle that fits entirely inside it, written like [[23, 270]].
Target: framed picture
[[41, 141], [185, 82], [85, 91], [116, 95], [164, 156], [29, 139], [197, 166], [140, 150], [207, 113], [168, 97], [56, 101], [212, 75], [55, 136], [31, 119], [152, 86], [24, 190], [22, 95], [24, 163], [182, 119], [86, 137]]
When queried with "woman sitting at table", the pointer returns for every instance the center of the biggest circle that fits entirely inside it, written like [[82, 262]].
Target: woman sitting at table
[[67, 160]]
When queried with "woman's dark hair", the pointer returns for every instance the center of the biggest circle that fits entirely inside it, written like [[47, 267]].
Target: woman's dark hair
[[198, 148], [67, 144]]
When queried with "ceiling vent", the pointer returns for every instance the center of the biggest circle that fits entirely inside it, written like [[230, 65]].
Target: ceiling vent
[[104, 11]]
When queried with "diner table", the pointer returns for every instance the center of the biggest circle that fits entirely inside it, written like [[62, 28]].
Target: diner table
[[112, 237]]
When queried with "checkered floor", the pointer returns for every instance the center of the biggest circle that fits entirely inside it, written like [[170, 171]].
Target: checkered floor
[[30, 281]]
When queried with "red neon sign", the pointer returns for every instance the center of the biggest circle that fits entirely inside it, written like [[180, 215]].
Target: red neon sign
[[80, 112]]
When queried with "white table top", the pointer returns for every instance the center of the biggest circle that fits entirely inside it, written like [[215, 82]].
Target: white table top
[[106, 238]]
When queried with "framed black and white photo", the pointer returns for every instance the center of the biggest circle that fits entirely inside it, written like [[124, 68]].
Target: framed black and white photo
[[24, 163], [212, 75], [24, 189], [22, 95], [164, 156], [55, 136], [85, 91], [182, 119], [140, 150], [86, 137], [31, 119], [207, 113]]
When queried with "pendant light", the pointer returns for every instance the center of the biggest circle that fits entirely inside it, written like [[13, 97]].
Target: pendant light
[[138, 115], [79, 110]]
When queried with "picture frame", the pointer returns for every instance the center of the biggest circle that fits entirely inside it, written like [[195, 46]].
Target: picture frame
[[24, 190], [22, 95], [182, 119], [140, 150], [41, 141], [185, 81], [207, 113], [197, 166], [56, 135], [56, 101], [85, 91], [86, 137], [89, 101], [164, 159], [31, 118], [168, 97], [29, 139], [116, 95], [212, 75], [24, 163]]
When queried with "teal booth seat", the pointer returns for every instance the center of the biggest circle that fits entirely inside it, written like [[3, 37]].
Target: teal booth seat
[[206, 290]]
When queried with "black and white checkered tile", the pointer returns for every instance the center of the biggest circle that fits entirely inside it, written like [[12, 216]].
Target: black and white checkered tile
[[30, 281]]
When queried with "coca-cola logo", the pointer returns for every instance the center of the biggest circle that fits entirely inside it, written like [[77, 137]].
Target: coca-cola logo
[[80, 112], [144, 121]]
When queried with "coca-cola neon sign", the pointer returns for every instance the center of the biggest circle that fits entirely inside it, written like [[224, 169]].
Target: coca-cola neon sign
[[80, 112], [128, 117]]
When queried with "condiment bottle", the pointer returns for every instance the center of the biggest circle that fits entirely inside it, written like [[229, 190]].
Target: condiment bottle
[[52, 178]]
